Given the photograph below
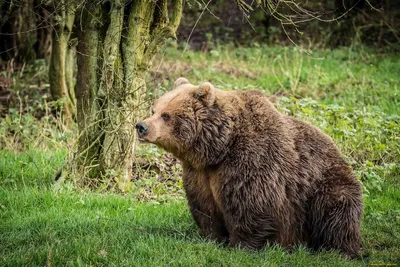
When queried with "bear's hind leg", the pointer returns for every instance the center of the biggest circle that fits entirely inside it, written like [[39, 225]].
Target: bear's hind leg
[[334, 216]]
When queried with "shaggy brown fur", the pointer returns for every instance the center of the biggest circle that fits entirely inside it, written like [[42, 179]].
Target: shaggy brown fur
[[253, 175]]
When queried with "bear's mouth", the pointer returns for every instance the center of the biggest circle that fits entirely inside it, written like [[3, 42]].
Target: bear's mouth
[[146, 139], [143, 140]]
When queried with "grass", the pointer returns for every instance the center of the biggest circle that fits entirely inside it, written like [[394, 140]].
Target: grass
[[358, 78], [353, 95], [44, 225]]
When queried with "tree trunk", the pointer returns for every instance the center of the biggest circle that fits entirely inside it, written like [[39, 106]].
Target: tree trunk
[[62, 62], [17, 30], [117, 42], [44, 13]]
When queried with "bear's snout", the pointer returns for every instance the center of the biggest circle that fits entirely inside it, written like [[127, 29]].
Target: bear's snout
[[142, 129]]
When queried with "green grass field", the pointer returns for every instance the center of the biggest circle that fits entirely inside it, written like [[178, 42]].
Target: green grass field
[[353, 95]]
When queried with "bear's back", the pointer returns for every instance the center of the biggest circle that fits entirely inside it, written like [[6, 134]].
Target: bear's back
[[285, 141]]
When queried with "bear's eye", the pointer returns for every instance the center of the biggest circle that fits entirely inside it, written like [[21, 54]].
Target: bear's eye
[[165, 116]]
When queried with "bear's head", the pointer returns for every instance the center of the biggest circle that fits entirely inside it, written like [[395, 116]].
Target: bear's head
[[193, 122]]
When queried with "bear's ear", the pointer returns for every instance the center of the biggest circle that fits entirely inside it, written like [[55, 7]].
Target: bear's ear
[[206, 93], [180, 81]]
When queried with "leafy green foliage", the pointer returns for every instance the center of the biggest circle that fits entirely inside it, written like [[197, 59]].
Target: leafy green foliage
[[31, 120], [362, 136]]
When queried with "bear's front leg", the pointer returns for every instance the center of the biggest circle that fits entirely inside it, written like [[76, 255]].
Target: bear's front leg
[[251, 213], [203, 206]]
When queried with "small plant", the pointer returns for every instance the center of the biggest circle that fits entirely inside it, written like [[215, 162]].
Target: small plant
[[21, 131]]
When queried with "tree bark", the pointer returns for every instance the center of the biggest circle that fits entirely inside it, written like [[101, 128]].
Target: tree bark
[[62, 61], [117, 42]]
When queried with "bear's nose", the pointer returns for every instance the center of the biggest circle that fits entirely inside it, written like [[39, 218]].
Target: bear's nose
[[142, 129]]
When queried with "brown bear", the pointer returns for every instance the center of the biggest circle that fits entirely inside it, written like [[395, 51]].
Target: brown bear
[[254, 176]]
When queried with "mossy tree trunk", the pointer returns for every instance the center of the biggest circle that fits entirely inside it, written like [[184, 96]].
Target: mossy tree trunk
[[117, 41], [62, 60]]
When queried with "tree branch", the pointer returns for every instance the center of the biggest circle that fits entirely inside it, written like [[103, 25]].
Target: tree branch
[[163, 31], [177, 8], [137, 37], [160, 14], [111, 47]]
